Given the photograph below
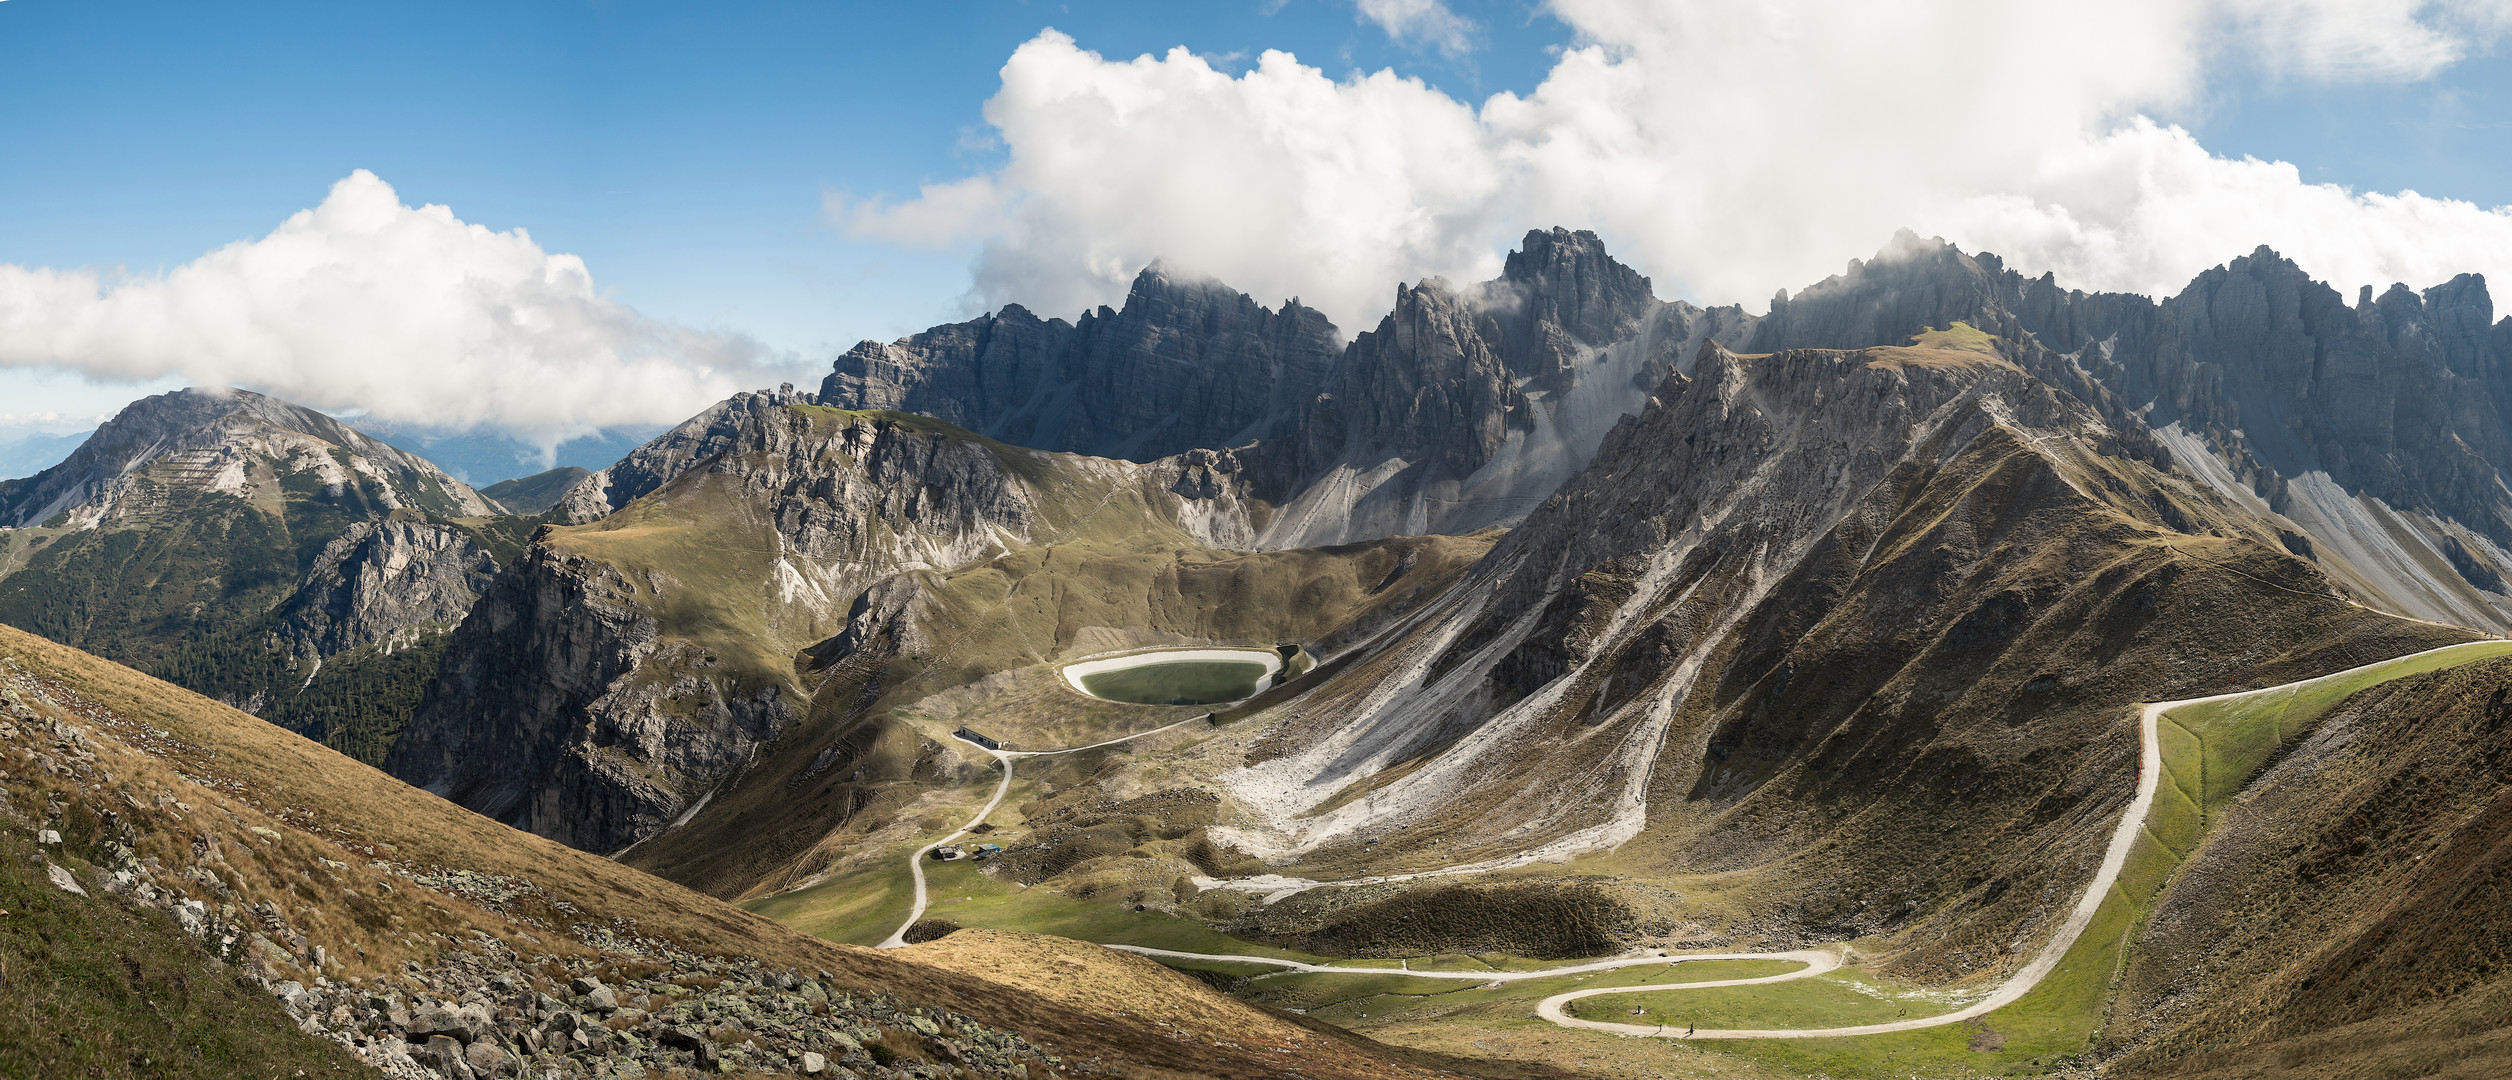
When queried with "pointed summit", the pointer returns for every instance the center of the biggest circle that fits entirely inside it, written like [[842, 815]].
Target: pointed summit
[[1560, 290]]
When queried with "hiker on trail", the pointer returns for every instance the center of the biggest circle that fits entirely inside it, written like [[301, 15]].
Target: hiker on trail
[[1687, 1029]]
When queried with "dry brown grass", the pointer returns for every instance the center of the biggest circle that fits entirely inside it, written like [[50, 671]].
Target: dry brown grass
[[332, 817]]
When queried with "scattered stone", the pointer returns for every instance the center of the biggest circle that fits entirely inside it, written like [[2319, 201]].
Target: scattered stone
[[62, 880], [484, 1057]]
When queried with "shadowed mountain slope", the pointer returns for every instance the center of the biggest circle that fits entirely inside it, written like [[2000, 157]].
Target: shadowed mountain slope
[[1461, 411], [606, 683], [1186, 363], [254, 550]]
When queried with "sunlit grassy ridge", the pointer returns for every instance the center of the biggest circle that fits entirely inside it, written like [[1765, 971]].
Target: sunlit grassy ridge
[[2210, 751]]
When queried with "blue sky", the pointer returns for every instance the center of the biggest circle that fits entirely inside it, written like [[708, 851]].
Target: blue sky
[[690, 153]]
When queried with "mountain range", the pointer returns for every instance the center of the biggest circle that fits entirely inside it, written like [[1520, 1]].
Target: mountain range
[[1622, 624]]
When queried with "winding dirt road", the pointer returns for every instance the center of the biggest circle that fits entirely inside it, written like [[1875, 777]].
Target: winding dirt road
[[916, 861], [1817, 961]]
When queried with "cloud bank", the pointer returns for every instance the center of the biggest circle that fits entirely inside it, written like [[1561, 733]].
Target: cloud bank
[[1730, 150], [411, 315]]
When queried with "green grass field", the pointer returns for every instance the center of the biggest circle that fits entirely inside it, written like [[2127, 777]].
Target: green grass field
[[1349, 998], [1181, 682], [1834, 999], [2210, 752]]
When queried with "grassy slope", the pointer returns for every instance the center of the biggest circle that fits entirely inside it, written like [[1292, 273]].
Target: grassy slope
[[992, 633], [100, 989], [317, 805], [2059, 1020], [2344, 909]]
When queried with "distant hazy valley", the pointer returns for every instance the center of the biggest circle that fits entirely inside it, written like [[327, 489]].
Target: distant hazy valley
[[1607, 627]]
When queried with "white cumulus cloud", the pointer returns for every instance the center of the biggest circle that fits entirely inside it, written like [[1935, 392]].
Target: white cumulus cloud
[[1729, 150], [363, 303], [1421, 22]]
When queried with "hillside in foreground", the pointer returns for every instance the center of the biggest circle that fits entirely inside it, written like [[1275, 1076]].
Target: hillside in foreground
[[171, 859]]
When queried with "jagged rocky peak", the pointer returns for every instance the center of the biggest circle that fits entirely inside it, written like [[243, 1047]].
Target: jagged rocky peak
[[1188, 362], [715, 430], [1466, 406], [179, 445], [1560, 290], [1864, 620]]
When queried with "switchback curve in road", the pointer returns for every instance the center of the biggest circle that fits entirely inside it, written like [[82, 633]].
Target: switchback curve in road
[[1002, 758], [2123, 838], [1816, 961]]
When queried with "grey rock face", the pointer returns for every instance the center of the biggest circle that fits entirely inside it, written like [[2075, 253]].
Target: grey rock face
[[2376, 434], [522, 724], [1811, 608], [1187, 363], [1459, 412], [385, 582], [1466, 407]]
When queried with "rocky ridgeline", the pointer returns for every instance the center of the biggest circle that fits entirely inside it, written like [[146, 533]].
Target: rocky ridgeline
[[385, 583], [1186, 364], [2376, 431]]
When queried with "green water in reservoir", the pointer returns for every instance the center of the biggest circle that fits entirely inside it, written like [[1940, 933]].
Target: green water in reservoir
[[1180, 682]]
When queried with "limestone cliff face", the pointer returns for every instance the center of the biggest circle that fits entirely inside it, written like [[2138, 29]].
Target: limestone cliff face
[[622, 670], [1859, 626], [529, 722], [2375, 435], [385, 583], [1185, 364]]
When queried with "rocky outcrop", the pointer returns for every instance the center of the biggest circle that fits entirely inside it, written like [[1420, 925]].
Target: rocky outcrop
[[533, 720], [384, 583], [1186, 364], [2376, 435], [615, 676], [648, 467]]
